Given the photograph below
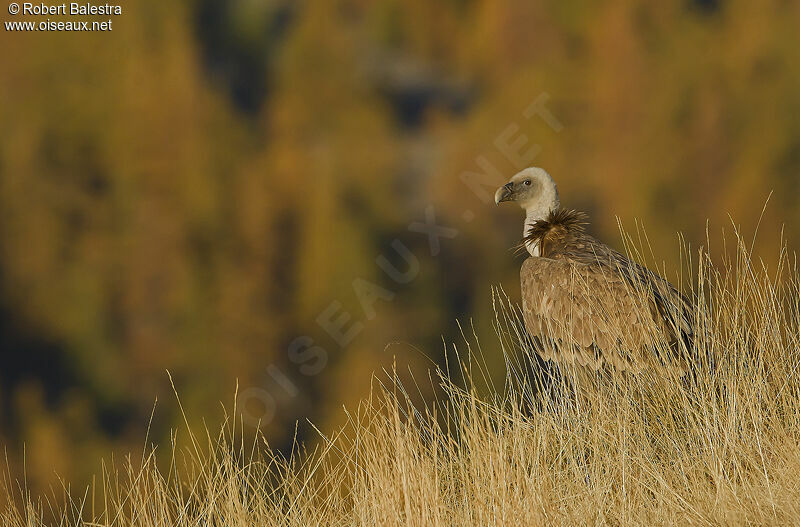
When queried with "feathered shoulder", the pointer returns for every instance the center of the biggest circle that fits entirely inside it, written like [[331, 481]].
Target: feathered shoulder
[[558, 223], [561, 231]]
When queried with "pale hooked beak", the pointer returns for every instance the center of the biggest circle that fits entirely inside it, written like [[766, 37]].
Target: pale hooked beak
[[504, 193]]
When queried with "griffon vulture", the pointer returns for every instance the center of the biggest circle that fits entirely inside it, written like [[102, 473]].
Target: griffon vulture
[[584, 302]]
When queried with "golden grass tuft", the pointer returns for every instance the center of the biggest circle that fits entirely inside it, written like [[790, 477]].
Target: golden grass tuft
[[719, 446]]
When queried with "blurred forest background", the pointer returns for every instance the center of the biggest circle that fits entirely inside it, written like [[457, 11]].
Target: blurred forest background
[[192, 190]]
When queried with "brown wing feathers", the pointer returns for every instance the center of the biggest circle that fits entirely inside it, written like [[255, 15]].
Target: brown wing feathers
[[599, 297]]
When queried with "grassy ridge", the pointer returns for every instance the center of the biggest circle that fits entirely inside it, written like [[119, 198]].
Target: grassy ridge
[[643, 449]]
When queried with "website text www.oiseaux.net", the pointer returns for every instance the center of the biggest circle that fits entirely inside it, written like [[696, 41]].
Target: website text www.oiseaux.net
[[61, 10]]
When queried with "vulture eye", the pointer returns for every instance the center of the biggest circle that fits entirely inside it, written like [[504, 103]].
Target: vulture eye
[[528, 182]]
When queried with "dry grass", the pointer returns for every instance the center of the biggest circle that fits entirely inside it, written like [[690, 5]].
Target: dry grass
[[720, 447]]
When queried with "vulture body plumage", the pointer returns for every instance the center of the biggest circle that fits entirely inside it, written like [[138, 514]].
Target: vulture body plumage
[[585, 303]]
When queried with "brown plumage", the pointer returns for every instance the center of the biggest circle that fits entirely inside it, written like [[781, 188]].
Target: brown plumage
[[590, 305]]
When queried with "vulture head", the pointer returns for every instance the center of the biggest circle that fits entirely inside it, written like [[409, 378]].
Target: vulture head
[[532, 189]]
